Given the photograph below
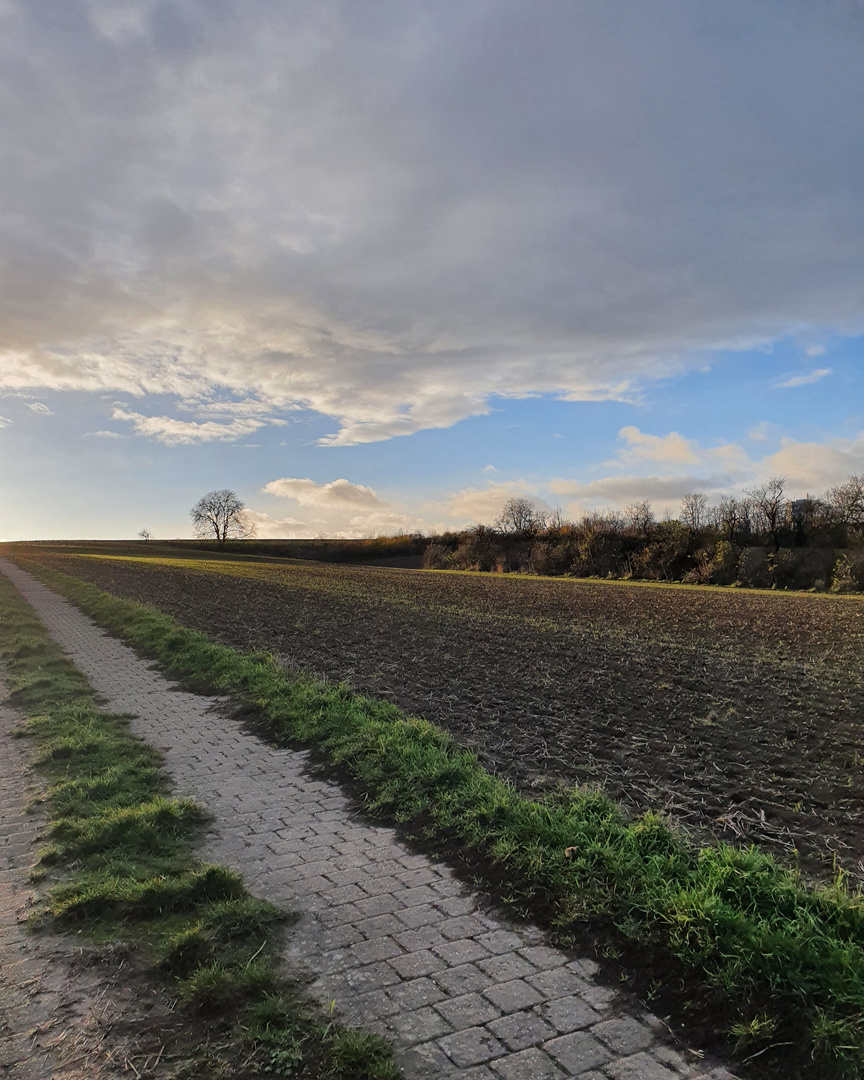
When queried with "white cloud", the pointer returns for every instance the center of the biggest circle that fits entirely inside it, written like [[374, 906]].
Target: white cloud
[[803, 380], [489, 468], [815, 350], [393, 214], [102, 435], [174, 432], [288, 528], [761, 432], [38, 407], [5, 421], [485, 504], [670, 448], [812, 467], [338, 493]]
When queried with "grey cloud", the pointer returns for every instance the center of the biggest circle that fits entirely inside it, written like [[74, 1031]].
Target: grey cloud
[[388, 213], [619, 490]]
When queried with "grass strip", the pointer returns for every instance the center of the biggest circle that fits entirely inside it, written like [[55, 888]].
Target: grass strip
[[125, 852], [785, 961]]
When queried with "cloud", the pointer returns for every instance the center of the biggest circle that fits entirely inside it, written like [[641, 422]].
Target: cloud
[[394, 214], [813, 467], [5, 421], [102, 435], [803, 380], [174, 432], [641, 447], [761, 431], [815, 350], [270, 528], [38, 407], [485, 504], [489, 468], [338, 493]]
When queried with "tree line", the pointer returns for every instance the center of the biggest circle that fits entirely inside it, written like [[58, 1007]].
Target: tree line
[[759, 539]]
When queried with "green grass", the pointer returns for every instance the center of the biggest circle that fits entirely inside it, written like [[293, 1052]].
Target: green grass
[[784, 962], [122, 851]]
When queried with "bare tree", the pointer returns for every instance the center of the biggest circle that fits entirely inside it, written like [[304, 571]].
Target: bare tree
[[145, 534], [693, 511], [731, 517], [847, 501], [221, 516], [769, 503], [640, 515], [520, 515]]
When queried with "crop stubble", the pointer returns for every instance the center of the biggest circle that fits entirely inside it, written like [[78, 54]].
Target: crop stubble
[[739, 713]]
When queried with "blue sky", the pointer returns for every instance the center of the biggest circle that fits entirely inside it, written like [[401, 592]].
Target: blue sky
[[381, 266]]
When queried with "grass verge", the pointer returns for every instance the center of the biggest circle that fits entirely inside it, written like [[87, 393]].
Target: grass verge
[[123, 851], [783, 961]]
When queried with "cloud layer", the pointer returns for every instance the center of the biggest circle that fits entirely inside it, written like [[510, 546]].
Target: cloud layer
[[392, 213]]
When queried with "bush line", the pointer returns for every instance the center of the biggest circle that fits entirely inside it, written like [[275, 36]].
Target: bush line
[[131, 874], [784, 959]]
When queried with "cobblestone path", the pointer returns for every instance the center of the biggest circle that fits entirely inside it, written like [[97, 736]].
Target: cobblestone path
[[398, 943]]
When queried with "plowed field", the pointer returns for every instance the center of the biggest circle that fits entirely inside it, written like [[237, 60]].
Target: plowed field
[[739, 713]]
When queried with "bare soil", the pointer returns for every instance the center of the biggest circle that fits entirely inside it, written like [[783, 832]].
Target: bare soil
[[739, 713]]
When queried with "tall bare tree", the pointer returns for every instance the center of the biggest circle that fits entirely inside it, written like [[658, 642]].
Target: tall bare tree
[[640, 515], [520, 515], [769, 503], [847, 501], [221, 515], [693, 511]]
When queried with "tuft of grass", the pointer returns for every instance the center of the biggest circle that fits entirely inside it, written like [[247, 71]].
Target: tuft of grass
[[777, 956], [126, 852]]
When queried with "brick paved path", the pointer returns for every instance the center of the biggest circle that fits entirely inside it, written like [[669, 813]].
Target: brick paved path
[[393, 937]]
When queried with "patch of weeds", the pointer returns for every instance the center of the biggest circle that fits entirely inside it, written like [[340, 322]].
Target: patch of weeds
[[125, 851]]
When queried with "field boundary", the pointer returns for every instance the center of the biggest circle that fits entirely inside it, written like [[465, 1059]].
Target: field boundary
[[783, 961], [121, 853]]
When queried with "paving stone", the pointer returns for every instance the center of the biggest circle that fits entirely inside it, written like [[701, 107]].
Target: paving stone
[[557, 983], [522, 1029], [385, 904], [416, 993], [513, 995], [419, 1025], [464, 979], [578, 1052], [568, 1014], [365, 952], [528, 1065], [471, 1047], [461, 952], [505, 967], [422, 915], [600, 997], [624, 1034], [379, 926], [666, 1055], [470, 1010], [542, 956], [462, 926], [500, 941], [414, 965], [371, 977], [457, 905], [424, 937], [639, 1066], [372, 1004]]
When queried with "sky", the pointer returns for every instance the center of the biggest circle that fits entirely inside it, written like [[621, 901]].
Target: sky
[[379, 265]]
